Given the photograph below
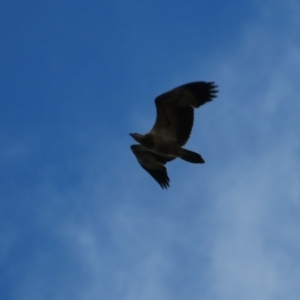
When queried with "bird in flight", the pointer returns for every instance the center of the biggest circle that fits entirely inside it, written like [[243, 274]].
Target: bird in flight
[[172, 129]]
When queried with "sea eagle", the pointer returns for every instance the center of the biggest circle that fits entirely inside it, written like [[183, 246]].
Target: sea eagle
[[172, 129]]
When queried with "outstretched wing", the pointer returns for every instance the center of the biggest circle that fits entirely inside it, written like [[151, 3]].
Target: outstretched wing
[[175, 109], [153, 164]]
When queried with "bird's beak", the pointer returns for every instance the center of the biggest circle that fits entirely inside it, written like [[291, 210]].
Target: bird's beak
[[130, 134]]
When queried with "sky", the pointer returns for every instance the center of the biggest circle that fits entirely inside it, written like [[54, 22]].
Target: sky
[[80, 219]]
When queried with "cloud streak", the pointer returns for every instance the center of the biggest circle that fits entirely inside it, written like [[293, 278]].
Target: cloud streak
[[227, 230]]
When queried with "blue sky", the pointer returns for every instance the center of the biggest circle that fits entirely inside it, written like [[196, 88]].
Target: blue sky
[[79, 218]]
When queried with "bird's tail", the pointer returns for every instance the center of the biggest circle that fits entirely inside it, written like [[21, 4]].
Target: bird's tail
[[191, 156]]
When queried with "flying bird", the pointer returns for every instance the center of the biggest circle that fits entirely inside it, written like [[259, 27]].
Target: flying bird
[[172, 129]]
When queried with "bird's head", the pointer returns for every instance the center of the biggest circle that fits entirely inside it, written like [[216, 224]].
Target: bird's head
[[136, 136]]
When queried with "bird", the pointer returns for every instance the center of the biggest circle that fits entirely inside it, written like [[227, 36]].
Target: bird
[[172, 129]]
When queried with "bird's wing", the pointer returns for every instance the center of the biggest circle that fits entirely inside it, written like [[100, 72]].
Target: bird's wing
[[175, 109], [153, 164], [172, 121]]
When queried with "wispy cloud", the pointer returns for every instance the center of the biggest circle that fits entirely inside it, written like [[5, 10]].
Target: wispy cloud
[[227, 230], [256, 248], [243, 244]]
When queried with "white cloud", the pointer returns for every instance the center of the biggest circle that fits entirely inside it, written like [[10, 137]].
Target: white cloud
[[252, 254], [256, 249], [243, 243], [228, 230]]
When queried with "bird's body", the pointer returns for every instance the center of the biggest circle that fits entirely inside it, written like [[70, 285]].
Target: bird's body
[[159, 144], [167, 147], [172, 128]]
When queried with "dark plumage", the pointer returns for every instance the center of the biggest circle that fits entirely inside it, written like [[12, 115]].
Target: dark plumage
[[172, 129], [153, 164]]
